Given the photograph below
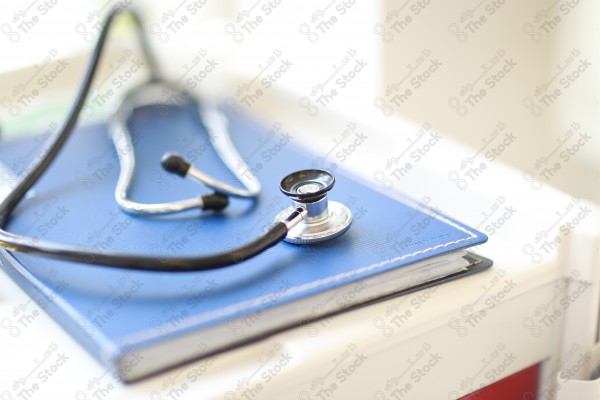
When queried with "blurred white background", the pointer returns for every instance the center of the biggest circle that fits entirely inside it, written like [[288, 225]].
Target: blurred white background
[[428, 61]]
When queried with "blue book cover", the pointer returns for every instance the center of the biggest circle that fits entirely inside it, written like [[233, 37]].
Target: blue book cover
[[142, 322]]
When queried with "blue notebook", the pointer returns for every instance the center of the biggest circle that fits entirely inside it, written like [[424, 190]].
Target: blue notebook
[[142, 322]]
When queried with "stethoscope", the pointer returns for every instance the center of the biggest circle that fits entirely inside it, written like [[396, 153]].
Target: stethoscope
[[311, 218]]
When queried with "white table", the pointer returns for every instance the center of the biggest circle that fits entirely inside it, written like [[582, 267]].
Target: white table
[[435, 340]]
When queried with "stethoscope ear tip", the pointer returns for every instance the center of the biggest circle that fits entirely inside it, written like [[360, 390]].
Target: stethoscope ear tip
[[175, 164], [215, 201]]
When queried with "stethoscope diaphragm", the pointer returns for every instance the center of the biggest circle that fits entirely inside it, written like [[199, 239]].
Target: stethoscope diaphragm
[[324, 219]]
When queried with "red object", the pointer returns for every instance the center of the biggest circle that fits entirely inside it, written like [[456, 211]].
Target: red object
[[520, 386]]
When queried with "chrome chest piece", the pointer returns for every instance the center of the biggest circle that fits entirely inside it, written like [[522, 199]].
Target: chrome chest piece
[[324, 219]]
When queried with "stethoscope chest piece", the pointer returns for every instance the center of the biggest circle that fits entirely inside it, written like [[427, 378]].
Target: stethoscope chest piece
[[324, 219]]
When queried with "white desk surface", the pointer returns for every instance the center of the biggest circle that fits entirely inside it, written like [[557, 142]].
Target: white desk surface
[[439, 344]]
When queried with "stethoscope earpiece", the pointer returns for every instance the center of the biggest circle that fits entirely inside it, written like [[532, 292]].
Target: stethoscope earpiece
[[324, 219], [175, 164]]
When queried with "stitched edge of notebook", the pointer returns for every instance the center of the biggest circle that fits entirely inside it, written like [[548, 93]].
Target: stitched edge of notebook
[[207, 316]]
